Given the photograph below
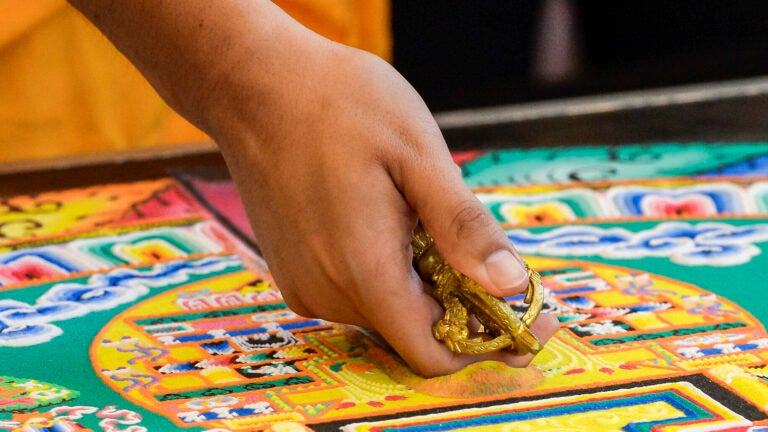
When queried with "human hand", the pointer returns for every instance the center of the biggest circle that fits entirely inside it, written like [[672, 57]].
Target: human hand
[[334, 176], [334, 155]]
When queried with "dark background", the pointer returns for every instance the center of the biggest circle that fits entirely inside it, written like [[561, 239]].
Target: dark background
[[473, 53]]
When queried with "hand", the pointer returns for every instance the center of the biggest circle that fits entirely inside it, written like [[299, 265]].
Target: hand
[[334, 177], [334, 155]]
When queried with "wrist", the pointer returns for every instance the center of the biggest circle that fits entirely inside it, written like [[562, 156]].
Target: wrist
[[253, 110], [259, 84], [253, 71]]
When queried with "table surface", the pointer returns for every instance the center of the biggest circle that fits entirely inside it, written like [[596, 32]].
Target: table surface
[[732, 111]]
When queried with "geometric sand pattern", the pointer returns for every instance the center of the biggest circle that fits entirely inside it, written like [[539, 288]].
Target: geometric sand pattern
[[141, 307]]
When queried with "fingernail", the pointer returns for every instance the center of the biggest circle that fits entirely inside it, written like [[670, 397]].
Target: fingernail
[[506, 271]]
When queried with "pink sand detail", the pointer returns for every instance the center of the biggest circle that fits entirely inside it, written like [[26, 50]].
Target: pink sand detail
[[167, 202], [687, 206], [222, 195]]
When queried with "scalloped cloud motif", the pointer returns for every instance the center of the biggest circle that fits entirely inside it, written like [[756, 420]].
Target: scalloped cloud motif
[[702, 244], [23, 324]]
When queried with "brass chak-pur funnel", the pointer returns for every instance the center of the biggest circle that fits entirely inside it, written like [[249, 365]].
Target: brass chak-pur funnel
[[462, 297]]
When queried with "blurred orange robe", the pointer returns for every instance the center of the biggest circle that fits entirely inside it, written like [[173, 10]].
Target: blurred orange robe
[[65, 90]]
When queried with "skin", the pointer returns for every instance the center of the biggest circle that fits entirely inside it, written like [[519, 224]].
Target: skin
[[335, 157]]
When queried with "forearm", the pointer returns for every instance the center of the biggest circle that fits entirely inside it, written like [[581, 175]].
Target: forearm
[[202, 56]]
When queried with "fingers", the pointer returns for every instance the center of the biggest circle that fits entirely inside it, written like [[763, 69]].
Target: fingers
[[545, 326], [406, 320], [328, 307], [397, 304], [320, 299], [393, 298], [465, 232]]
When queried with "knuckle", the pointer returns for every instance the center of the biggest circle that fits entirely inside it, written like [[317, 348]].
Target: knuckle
[[470, 219], [435, 367], [294, 303], [430, 370]]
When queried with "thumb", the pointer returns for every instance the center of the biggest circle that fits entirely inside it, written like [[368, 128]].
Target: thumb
[[465, 232]]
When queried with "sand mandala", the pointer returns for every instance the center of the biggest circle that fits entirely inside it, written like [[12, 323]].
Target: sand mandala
[[144, 306]]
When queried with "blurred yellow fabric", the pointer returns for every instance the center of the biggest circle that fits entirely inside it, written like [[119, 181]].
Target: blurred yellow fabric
[[65, 90]]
